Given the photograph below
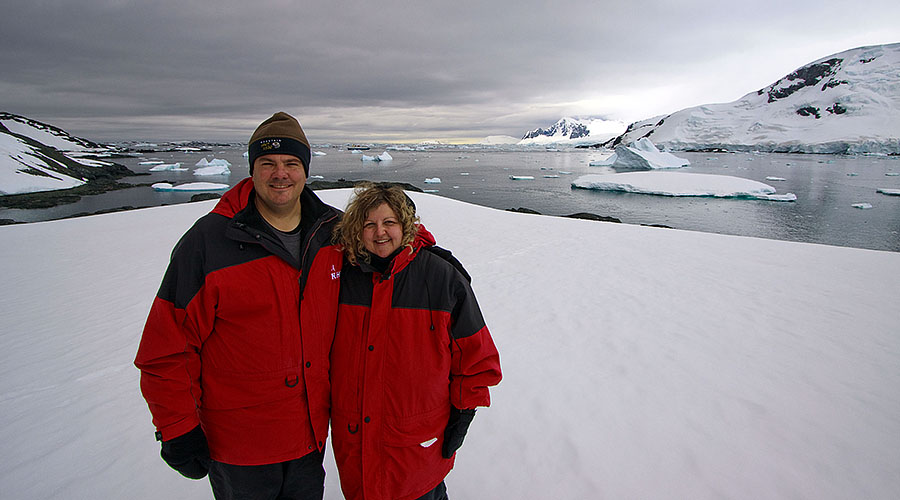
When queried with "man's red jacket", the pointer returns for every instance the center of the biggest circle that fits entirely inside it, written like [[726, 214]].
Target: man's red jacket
[[237, 339]]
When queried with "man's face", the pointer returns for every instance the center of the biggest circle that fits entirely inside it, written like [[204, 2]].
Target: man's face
[[278, 180]]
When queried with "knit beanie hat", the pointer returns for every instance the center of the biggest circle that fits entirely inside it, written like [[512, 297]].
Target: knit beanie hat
[[280, 134]]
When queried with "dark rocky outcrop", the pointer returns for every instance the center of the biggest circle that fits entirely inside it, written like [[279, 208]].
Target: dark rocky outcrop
[[804, 77]]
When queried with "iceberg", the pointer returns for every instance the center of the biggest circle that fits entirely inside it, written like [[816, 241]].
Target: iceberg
[[522, 177], [682, 184], [191, 186], [175, 167], [319, 153], [642, 154], [213, 167], [433, 180], [382, 157], [888, 191], [212, 170], [606, 162], [862, 206]]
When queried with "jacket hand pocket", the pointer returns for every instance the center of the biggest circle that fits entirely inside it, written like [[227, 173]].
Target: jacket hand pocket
[[422, 431]]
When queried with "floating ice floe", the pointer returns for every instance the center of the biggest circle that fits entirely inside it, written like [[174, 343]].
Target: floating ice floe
[[191, 186], [315, 177], [175, 167], [522, 177], [382, 157], [433, 180], [550, 176], [682, 184], [430, 190], [892, 174], [888, 191], [319, 153], [642, 154], [862, 206], [772, 178], [152, 162]]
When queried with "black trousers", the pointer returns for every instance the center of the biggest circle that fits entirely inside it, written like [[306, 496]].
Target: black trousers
[[438, 493], [300, 479]]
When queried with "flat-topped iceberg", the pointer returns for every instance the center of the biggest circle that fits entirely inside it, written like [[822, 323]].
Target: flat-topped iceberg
[[682, 184], [191, 186], [163, 167], [642, 154]]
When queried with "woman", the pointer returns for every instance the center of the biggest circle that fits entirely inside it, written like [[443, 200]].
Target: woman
[[411, 358]]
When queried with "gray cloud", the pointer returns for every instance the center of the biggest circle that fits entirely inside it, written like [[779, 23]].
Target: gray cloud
[[401, 70]]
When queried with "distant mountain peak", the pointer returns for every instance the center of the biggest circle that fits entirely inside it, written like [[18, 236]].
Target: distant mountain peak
[[574, 131], [567, 128]]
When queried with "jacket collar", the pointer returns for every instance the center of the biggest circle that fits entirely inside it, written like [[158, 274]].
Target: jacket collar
[[423, 239], [238, 198]]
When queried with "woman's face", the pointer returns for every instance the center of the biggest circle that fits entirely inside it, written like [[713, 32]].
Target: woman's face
[[382, 231]]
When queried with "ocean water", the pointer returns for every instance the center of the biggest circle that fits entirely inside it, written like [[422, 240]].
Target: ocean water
[[826, 187]]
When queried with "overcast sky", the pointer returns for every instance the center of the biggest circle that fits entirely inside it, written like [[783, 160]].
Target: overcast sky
[[391, 70]]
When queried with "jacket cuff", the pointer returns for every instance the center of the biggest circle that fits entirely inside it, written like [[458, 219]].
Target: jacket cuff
[[179, 428]]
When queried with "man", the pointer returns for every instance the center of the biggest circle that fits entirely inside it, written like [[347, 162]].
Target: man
[[234, 354]]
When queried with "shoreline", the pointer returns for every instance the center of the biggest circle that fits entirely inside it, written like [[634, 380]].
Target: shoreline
[[50, 199]]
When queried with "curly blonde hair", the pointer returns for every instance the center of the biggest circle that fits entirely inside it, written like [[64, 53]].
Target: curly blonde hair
[[368, 196]]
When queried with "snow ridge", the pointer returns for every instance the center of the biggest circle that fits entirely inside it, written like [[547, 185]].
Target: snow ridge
[[36, 157]]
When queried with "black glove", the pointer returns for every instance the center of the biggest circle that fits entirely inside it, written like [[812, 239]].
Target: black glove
[[188, 454], [456, 429]]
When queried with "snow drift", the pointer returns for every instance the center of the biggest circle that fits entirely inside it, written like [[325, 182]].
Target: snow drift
[[638, 362]]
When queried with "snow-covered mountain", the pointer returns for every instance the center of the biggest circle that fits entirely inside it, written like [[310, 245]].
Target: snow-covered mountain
[[35, 157], [844, 103], [574, 131]]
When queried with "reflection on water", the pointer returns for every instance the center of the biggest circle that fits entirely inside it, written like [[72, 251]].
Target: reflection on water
[[826, 186]]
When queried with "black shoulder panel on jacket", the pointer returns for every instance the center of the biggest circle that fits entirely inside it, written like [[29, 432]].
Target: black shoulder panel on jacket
[[429, 283], [448, 256], [202, 250]]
